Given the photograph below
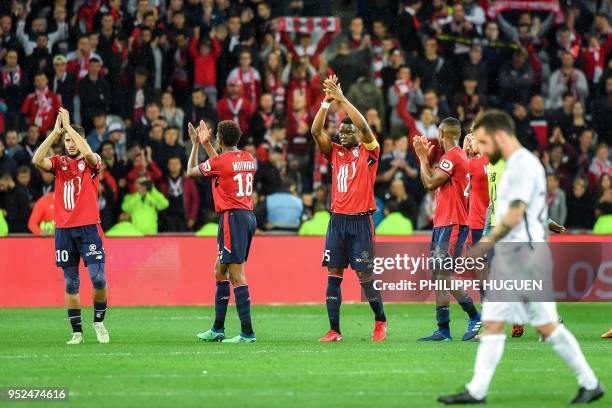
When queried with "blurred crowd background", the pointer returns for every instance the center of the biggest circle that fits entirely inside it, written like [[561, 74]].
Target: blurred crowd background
[[135, 72]]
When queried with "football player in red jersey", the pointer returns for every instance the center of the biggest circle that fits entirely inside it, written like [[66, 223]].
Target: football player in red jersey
[[449, 235], [77, 220], [478, 191], [350, 234], [232, 173]]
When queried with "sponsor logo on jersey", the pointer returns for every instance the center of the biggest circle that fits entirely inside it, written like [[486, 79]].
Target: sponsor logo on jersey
[[446, 165]]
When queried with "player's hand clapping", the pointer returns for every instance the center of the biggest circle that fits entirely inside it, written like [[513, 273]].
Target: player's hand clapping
[[204, 134], [333, 89], [422, 147], [193, 134]]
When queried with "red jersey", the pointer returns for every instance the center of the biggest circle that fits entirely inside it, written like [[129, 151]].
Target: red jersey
[[232, 184], [353, 175], [478, 191], [450, 206], [76, 191]]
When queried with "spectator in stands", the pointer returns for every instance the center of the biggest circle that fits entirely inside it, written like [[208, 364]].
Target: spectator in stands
[[557, 204], [79, 61], [236, 107], [94, 93], [141, 130], [13, 143], [580, 206], [524, 131], [600, 165], [469, 103], [584, 153], [200, 108], [114, 165], [284, 209], [365, 94], [539, 121], [108, 193], [29, 145], [15, 204], [63, 83], [516, 79], [394, 223], [7, 164], [174, 116], [24, 179], [38, 28], [567, 79], [408, 26], [248, 76], [269, 175], [143, 205], [299, 143], [140, 165], [41, 106], [100, 131], [389, 72], [399, 164], [140, 96], [604, 189], [42, 218], [170, 147], [564, 116], [404, 96], [14, 88], [183, 198]]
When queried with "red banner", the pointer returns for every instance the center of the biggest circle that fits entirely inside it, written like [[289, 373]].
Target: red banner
[[171, 270], [551, 6]]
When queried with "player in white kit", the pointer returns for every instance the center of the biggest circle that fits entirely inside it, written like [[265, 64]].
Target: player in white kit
[[521, 235]]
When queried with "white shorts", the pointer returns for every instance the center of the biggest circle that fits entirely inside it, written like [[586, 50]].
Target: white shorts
[[534, 313]]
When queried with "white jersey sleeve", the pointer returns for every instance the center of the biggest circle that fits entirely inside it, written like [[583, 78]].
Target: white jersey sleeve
[[524, 180]]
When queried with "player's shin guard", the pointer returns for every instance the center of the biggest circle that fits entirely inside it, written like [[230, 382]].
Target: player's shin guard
[[333, 300], [565, 344], [374, 298], [243, 304], [490, 351], [74, 315], [222, 296], [468, 307], [443, 318]]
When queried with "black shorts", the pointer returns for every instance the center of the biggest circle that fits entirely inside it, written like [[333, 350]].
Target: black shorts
[[74, 243], [349, 240], [236, 230]]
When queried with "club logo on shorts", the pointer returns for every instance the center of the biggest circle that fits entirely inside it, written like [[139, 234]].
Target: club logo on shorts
[[446, 165], [81, 166], [92, 247]]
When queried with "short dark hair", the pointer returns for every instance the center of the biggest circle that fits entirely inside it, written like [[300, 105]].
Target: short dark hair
[[24, 169], [79, 129], [105, 143], [173, 157], [452, 125], [347, 120], [494, 120], [229, 132]]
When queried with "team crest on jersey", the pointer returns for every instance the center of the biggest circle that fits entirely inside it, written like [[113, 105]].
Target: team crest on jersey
[[340, 154], [446, 165], [356, 152], [81, 166]]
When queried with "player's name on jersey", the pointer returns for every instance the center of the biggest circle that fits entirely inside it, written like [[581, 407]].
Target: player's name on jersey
[[530, 285], [243, 165]]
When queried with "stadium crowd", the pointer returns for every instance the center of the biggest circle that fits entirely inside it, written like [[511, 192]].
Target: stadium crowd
[[135, 72]]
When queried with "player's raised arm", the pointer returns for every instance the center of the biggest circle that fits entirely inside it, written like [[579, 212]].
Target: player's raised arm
[[431, 179], [204, 138], [321, 138], [192, 164], [40, 158], [79, 141], [332, 87]]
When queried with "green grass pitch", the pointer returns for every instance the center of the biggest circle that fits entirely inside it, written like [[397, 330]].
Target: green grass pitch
[[154, 359]]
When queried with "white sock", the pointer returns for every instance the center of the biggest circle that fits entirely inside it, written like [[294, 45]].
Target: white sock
[[489, 353], [565, 344]]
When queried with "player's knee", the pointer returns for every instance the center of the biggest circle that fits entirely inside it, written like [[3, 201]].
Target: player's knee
[[96, 273], [71, 278], [336, 272]]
